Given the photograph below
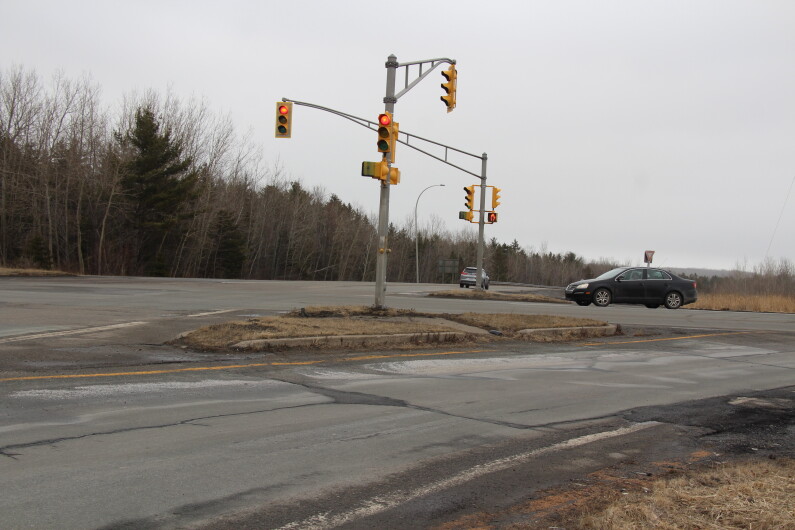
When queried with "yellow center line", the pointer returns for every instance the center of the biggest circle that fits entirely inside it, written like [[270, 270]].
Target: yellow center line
[[232, 366], [670, 338]]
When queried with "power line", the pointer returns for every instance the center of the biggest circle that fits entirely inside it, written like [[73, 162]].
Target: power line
[[767, 252]]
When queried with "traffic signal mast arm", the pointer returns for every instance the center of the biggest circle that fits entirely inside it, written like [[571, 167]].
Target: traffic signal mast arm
[[409, 85], [408, 137]]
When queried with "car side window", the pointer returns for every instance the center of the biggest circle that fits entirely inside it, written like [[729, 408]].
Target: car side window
[[633, 274], [659, 275]]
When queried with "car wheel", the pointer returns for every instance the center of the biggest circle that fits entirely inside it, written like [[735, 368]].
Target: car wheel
[[673, 300], [461, 285], [467, 286], [652, 306], [583, 302], [487, 286], [602, 297]]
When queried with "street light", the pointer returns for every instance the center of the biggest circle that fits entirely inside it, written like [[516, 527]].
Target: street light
[[416, 230]]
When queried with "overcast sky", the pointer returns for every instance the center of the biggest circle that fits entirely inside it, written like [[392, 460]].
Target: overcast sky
[[613, 127]]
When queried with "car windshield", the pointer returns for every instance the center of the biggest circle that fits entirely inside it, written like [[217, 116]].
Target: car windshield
[[610, 273]]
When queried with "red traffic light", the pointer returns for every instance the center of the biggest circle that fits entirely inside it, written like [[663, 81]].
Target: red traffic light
[[384, 119], [283, 109]]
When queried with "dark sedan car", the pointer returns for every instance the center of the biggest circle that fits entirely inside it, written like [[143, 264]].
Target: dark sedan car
[[634, 285]]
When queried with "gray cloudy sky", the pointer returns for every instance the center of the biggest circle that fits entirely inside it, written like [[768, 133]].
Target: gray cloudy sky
[[612, 127]]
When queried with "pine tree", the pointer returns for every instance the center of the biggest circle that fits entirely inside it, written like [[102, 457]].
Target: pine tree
[[159, 186]]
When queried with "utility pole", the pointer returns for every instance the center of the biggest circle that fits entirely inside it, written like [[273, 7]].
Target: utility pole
[[481, 224], [383, 209]]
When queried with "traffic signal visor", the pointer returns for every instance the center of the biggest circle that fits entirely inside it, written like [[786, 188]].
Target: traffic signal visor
[[284, 119], [450, 87]]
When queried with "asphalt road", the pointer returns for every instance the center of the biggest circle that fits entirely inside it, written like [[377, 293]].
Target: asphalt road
[[103, 426]]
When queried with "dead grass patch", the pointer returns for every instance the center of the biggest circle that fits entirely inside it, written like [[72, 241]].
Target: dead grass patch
[[751, 494], [474, 294], [763, 303], [4, 271]]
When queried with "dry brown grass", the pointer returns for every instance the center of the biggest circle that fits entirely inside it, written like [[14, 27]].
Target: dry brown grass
[[513, 322], [738, 302], [361, 320], [758, 495], [490, 295], [4, 271]]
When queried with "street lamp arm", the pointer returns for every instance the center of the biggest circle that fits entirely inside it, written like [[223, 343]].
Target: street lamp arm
[[416, 232]]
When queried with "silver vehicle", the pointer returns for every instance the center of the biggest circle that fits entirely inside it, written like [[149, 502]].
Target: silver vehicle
[[469, 277]]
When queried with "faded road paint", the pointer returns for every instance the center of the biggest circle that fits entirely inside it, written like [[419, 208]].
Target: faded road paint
[[232, 367]]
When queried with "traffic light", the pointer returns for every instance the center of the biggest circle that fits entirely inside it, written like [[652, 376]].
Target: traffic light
[[450, 87], [380, 170], [491, 217], [470, 197], [495, 198], [387, 134], [467, 216], [371, 169], [284, 119]]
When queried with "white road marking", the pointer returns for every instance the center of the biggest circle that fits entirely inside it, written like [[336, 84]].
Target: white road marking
[[100, 391], [211, 313], [70, 332], [377, 505]]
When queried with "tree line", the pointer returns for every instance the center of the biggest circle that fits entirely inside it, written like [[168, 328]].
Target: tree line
[[164, 187]]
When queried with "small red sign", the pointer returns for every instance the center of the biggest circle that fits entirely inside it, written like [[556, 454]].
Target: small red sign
[[648, 256]]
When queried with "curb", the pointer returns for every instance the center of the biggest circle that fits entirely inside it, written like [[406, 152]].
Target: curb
[[343, 341], [589, 331]]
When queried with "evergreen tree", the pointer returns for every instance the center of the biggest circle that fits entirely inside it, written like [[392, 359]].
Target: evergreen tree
[[159, 185], [229, 253]]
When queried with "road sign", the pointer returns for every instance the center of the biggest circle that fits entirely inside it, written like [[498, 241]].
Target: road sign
[[648, 256]]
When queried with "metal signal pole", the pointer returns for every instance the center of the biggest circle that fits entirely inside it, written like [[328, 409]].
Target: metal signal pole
[[383, 209]]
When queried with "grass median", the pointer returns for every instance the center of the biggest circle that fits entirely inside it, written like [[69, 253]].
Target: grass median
[[364, 321]]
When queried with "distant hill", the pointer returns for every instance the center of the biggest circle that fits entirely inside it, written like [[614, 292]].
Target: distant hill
[[704, 272]]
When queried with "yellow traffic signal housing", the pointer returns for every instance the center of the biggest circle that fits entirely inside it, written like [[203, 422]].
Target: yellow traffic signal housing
[[387, 134], [466, 216], [470, 197], [495, 197], [394, 176], [450, 87], [371, 169], [380, 170], [284, 119]]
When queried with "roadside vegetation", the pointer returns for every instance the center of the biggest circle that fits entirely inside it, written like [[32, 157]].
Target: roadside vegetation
[[361, 320], [5, 271], [751, 494], [768, 287]]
